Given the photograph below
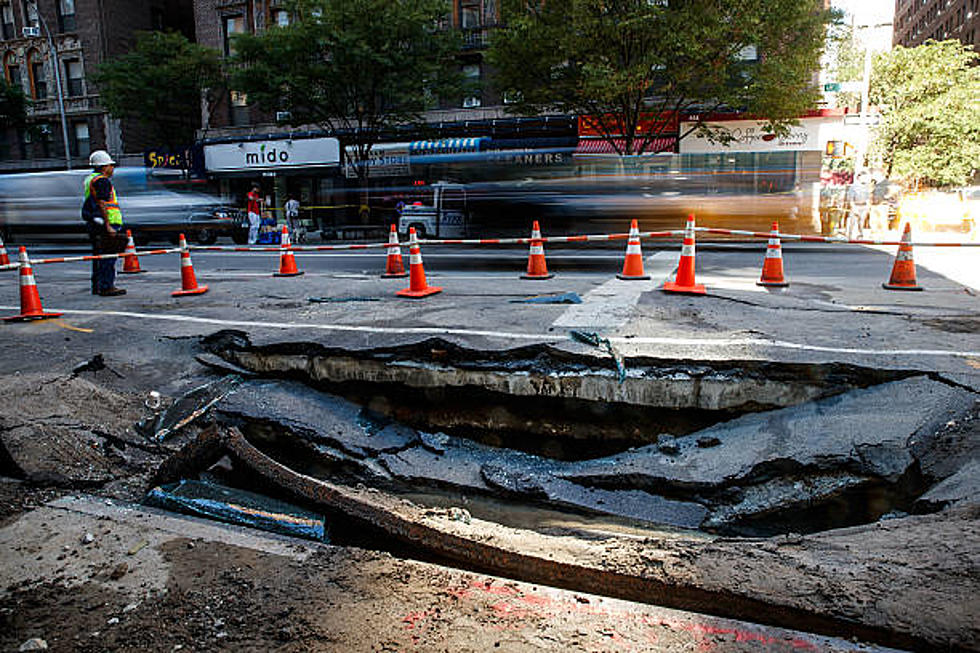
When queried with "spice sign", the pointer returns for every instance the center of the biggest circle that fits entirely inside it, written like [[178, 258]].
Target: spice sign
[[272, 155], [750, 136]]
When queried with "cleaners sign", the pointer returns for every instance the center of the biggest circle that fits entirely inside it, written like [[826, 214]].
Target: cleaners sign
[[272, 155]]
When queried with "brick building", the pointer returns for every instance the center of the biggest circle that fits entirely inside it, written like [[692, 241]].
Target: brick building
[[84, 33], [917, 21]]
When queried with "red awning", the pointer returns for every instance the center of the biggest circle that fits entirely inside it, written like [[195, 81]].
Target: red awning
[[603, 146]]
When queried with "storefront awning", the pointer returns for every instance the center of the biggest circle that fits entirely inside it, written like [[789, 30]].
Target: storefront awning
[[446, 146], [602, 146]]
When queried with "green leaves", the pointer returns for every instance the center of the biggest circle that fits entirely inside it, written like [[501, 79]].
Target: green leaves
[[159, 83], [13, 105], [633, 57], [928, 98]]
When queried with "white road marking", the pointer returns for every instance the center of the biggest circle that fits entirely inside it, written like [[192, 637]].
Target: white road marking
[[701, 343], [611, 304]]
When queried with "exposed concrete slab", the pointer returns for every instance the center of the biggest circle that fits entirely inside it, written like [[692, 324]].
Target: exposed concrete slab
[[865, 431]]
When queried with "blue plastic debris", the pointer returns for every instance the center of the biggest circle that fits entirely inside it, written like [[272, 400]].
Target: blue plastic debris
[[234, 506], [597, 341], [563, 298]]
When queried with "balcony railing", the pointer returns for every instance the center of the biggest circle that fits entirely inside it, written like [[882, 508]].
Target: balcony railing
[[477, 38]]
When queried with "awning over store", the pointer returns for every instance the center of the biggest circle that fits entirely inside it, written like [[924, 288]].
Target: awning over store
[[446, 146], [602, 146]]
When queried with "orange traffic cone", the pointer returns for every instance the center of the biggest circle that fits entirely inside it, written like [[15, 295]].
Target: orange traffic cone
[[772, 266], [537, 266], [188, 280], [394, 266], [131, 262], [287, 262], [903, 272], [4, 259], [633, 266], [417, 286], [30, 300], [684, 281]]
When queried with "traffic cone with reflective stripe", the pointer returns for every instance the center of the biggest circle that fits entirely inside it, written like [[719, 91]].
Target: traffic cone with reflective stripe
[[633, 266], [131, 262], [772, 266], [537, 266], [684, 281], [188, 280], [394, 266], [416, 286], [903, 272], [4, 259], [30, 300], [287, 262]]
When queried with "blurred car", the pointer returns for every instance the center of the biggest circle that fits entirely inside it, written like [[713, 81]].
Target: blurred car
[[935, 211], [47, 206], [971, 206]]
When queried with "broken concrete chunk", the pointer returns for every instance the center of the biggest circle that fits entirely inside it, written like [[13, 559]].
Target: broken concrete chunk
[[34, 644], [862, 431], [962, 488], [435, 442]]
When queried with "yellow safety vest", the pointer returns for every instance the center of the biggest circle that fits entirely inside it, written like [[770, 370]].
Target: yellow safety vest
[[113, 213]]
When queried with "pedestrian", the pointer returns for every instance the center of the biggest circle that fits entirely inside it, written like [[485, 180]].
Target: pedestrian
[[292, 219], [858, 198], [254, 210], [104, 221]]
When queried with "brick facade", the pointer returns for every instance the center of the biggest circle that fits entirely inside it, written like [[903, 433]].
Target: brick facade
[[102, 29], [917, 21]]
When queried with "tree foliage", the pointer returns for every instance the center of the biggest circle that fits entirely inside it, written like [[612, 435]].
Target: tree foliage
[[159, 83], [13, 105], [353, 67], [930, 112], [615, 60]]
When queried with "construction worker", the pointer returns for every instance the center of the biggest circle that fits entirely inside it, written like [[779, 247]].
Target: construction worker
[[102, 216]]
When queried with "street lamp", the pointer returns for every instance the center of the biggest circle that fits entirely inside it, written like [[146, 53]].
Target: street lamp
[[57, 80]]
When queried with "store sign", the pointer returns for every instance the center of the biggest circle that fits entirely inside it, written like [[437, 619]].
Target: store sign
[[272, 155], [384, 160], [749, 136], [180, 160], [530, 157]]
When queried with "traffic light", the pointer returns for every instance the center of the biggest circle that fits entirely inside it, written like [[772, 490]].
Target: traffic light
[[834, 149]]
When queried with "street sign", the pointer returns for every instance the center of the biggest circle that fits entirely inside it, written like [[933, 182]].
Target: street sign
[[859, 119], [29, 32], [833, 87]]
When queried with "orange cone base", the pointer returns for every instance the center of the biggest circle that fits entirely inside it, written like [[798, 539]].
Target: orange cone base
[[288, 274], [27, 317], [538, 276], [892, 286], [425, 292], [631, 277], [394, 275], [200, 290], [772, 284], [696, 289]]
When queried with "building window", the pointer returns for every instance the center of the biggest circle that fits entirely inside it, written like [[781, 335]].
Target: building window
[[35, 71], [74, 77], [280, 17], [66, 15], [11, 71], [30, 10], [157, 21], [469, 14], [238, 103], [46, 140], [6, 20], [80, 141], [471, 74], [233, 25]]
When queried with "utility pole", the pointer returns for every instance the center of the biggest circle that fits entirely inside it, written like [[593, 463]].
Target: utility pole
[[56, 64]]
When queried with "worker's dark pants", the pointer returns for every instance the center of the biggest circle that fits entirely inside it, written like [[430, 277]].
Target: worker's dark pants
[[103, 270]]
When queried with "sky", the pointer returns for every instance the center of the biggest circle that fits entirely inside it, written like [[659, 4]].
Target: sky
[[868, 11]]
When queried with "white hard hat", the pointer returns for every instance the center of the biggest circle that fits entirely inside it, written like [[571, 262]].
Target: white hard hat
[[100, 158]]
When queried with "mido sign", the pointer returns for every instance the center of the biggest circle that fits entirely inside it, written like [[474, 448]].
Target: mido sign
[[272, 154]]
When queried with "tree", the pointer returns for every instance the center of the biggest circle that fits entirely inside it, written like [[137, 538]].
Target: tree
[[616, 60], [13, 105], [930, 113], [353, 67], [159, 83]]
